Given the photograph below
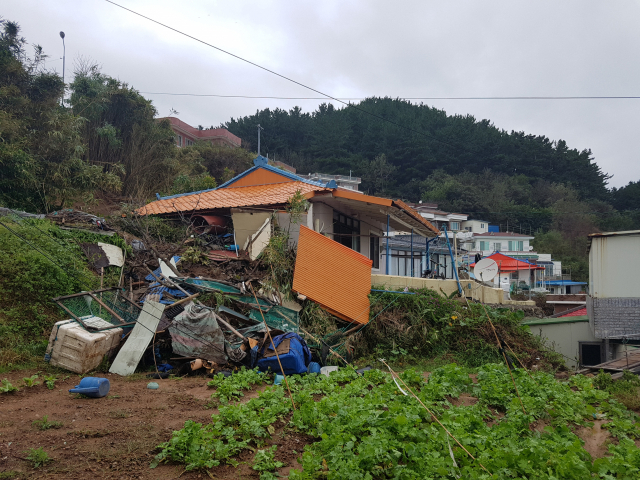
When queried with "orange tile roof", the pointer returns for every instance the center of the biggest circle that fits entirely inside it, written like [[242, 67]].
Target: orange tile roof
[[336, 277], [361, 197], [272, 194], [413, 213]]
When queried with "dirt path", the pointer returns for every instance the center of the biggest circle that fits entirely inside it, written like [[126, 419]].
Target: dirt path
[[112, 437]]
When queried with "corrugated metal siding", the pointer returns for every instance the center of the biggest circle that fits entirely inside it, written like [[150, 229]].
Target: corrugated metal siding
[[614, 262], [336, 277]]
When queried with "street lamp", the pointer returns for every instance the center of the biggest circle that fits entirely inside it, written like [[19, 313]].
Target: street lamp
[[63, 59]]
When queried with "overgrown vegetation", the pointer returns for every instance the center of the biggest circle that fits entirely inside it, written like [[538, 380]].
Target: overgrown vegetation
[[363, 427], [410, 328], [40, 261], [626, 390]]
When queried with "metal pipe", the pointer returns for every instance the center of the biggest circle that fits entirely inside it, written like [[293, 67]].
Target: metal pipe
[[455, 268], [412, 252], [387, 249]]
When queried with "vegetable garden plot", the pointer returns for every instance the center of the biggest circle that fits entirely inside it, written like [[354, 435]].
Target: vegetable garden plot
[[365, 428]]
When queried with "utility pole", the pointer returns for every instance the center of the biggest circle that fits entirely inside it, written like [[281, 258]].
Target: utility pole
[[259, 128], [64, 54]]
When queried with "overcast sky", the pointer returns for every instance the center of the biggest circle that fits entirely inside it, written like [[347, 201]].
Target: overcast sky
[[360, 48]]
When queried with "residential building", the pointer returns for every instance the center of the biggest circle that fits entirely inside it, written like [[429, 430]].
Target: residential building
[[475, 226], [405, 250], [440, 219], [248, 201], [187, 135], [510, 243], [343, 181]]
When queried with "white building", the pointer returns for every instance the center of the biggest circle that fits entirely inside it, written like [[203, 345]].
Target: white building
[[475, 226]]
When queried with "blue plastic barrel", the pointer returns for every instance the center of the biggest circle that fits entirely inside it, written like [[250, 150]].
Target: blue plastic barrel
[[313, 367], [95, 387]]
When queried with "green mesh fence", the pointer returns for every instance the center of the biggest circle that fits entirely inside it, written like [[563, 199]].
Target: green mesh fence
[[85, 306]]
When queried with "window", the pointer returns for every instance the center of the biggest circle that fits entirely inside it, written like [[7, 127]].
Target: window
[[482, 225], [188, 142], [346, 231], [374, 250], [484, 245], [468, 229], [497, 246], [516, 246], [514, 275], [454, 225], [179, 140]]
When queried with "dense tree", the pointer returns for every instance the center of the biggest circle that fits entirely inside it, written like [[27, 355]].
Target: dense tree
[[121, 134], [42, 164], [417, 140]]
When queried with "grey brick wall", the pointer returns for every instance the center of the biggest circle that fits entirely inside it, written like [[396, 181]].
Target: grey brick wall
[[614, 317]]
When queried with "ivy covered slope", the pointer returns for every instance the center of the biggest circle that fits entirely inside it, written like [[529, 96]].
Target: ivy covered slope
[[365, 428]]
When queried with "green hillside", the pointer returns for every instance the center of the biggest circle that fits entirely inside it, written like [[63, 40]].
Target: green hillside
[[416, 152]]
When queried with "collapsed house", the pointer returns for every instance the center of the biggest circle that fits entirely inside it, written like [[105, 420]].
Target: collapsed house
[[337, 234], [351, 218]]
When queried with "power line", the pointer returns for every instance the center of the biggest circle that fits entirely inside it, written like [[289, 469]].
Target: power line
[[425, 134], [343, 99]]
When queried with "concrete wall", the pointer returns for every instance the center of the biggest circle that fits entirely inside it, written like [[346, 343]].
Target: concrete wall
[[246, 224], [284, 222], [471, 288], [614, 317], [613, 303], [563, 337]]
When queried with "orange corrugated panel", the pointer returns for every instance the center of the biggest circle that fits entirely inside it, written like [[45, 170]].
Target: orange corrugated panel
[[260, 176], [273, 194], [336, 277]]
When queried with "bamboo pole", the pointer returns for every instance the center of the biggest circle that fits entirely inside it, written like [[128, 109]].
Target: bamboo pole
[[275, 350]]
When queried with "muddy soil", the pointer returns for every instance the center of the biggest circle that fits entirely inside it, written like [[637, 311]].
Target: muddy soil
[[114, 437]]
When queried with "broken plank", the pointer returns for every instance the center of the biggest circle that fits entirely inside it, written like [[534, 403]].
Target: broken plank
[[143, 332]]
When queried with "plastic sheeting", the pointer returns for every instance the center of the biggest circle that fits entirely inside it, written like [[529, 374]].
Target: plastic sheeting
[[196, 333]]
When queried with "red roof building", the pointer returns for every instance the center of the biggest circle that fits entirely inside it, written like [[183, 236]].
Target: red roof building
[[510, 264], [187, 135]]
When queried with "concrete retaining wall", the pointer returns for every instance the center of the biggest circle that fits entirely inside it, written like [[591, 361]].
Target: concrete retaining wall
[[471, 288]]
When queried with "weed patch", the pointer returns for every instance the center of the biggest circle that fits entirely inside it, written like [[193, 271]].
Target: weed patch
[[45, 424], [37, 457]]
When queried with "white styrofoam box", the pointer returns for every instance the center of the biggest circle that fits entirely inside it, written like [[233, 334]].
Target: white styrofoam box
[[73, 348]]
